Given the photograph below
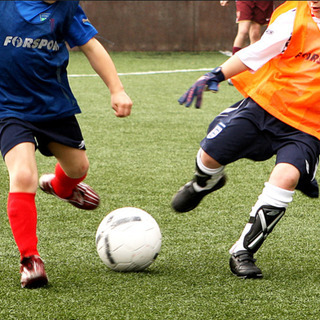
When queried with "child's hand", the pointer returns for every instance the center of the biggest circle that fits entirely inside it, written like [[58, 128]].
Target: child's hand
[[209, 82], [224, 3], [121, 104]]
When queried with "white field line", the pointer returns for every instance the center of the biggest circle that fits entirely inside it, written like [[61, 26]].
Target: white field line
[[143, 73]]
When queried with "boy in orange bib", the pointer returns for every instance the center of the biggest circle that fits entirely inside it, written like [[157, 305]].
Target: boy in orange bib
[[279, 77]]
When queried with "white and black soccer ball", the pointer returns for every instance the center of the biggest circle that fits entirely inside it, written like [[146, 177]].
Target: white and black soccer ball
[[128, 239]]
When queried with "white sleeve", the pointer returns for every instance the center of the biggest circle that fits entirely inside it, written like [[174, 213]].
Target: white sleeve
[[273, 42]]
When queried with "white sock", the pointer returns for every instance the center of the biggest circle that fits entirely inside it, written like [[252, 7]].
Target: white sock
[[272, 196], [215, 174]]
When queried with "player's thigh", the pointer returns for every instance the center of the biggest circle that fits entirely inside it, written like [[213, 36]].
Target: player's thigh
[[22, 168], [73, 161], [239, 138], [244, 10], [18, 150], [285, 176], [12, 133], [65, 131], [255, 32], [244, 27], [262, 12], [302, 154]]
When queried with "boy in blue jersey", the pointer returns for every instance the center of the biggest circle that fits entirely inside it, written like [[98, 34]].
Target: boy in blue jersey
[[37, 110]]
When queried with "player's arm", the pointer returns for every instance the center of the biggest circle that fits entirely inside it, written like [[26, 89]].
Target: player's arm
[[102, 63], [232, 67], [273, 42], [210, 81]]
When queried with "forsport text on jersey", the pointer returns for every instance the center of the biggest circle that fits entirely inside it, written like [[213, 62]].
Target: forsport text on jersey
[[313, 57], [31, 43]]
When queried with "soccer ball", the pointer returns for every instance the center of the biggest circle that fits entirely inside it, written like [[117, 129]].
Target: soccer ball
[[128, 239]]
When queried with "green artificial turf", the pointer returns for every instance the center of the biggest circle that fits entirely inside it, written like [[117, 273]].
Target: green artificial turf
[[142, 161]]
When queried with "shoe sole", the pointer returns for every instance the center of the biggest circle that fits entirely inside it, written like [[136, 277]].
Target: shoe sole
[[35, 283], [248, 276]]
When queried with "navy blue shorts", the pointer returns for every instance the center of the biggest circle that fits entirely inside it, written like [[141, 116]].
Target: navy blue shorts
[[245, 130], [65, 131]]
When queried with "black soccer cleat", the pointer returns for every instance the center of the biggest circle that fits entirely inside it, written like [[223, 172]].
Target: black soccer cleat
[[187, 198], [242, 264]]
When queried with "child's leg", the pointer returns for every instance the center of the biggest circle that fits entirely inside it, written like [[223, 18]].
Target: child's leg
[[67, 183], [264, 216], [22, 211], [64, 185], [71, 169], [22, 215]]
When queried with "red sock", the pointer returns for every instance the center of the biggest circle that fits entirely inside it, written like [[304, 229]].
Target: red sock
[[235, 49], [62, 184], [22, 215]]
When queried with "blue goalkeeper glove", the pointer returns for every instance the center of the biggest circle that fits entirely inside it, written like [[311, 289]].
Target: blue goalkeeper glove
[[210, 81]]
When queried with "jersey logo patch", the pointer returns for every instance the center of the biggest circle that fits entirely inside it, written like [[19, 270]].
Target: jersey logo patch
[[44, 16], [216, 130]]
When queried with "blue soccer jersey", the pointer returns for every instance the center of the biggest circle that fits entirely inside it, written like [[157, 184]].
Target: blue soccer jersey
[[34, 58]]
